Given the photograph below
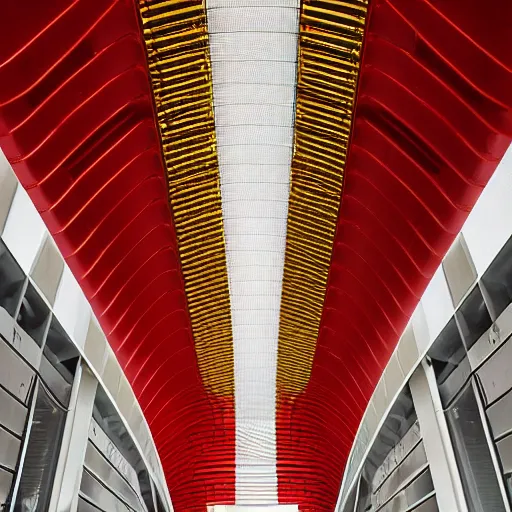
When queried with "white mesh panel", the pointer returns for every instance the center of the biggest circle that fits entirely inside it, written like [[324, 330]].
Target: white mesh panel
[[253, 46], [254, 114], [229, 20], [225, 4], [253, 72], [236, 508], [255, 94], [248, 135], [263, 155]]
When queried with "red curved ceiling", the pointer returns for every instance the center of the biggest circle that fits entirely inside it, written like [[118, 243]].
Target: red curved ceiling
[[78, 127], [433, 119]]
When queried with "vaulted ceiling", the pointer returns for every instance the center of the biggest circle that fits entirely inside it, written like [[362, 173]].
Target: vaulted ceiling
[[253, 195]]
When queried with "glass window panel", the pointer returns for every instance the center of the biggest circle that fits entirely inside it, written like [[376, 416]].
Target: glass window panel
[[497, 281], [473, 456], [42, 453]]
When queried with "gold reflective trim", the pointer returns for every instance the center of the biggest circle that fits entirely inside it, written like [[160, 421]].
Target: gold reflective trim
[[176, 37], [330, 41]]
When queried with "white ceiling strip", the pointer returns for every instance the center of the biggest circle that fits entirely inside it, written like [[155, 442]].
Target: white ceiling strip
[[253, 45]]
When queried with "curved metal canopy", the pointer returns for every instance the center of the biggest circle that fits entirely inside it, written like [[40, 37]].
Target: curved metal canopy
[[253, 196]]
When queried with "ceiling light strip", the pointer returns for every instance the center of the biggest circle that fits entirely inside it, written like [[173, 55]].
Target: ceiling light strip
[[254, 69], [176, 38], [330, 41]]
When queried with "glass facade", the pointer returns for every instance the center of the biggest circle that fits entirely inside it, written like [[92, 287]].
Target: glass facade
[[396, 474], [38, 372], [470, 365]]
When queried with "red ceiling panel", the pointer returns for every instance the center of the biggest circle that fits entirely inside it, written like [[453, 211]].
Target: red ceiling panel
[[77, 123], [432, 121]]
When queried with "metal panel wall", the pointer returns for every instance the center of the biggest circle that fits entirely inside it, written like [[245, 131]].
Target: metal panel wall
[[43, 311], [468, 304]]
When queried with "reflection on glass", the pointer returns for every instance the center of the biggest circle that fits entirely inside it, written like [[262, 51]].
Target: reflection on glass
[[479, 479], [41, 455]]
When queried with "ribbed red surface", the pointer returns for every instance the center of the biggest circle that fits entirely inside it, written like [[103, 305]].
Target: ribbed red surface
[[433, 119], [76, 121]]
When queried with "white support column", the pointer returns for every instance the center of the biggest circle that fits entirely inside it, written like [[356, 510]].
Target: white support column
[[23, 453], [74, 442], [436, 440]]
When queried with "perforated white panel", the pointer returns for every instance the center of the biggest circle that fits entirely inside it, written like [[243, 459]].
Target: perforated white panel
[[253, 46], [268, 508]]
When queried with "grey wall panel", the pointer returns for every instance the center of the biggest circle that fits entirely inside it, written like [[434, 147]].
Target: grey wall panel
[[414, 492], [55, 381], [6, 325], [105, 446], [496, 283], [6, 479], [473, 317], [9, 449], [483, 348], [23, 343], [407, 351], [48, 270], [74, 441], [393, 377], [504, 324], [505, 453], [125, 398], [15, 375], [95, 346], [427, 506], [12, 414], [492, 339], [449, 389], [436, 439], [416, 461], [459, 270], [379, 399], [85, 506], [350, 504], [8, 185], [495, 376], [500, 416], [112, 374], [100, 468], [101, 496], [472, 451], [395, 457]]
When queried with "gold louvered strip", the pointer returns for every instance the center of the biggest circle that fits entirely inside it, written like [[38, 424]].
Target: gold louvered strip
[[176, 37], [330, 41]]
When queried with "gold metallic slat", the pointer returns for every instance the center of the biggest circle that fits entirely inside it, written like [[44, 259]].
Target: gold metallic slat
[[176, 37], [330, 41]]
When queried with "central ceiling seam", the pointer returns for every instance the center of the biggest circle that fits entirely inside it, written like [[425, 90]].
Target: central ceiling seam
[[253, 46]]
